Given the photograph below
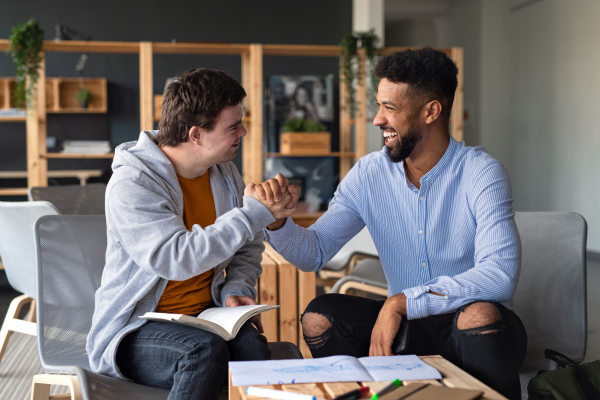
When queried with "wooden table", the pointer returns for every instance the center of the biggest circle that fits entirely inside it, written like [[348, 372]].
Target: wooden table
[[451, 374], [282, 283]]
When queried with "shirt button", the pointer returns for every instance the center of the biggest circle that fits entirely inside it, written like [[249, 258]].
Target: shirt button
[[421, 198], [446, 297], [423, 265], [420, 232]]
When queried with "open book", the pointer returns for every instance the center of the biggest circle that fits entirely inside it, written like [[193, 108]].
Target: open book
[[331, 369], [223, 321]]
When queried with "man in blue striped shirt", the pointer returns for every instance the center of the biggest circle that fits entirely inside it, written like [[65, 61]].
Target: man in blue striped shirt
[[440, 214]]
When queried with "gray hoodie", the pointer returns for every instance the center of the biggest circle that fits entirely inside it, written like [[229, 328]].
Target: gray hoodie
[[148, 244]]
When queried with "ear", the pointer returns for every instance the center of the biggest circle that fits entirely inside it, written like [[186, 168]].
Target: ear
[[195, 135], [433, 111]]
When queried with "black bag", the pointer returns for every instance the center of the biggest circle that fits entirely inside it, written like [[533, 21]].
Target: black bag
[[572, 382]]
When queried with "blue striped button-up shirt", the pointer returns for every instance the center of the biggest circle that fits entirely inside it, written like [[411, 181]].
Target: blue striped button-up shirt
[[456, 235]]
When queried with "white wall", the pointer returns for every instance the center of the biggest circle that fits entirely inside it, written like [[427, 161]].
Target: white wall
[[532, 86], [554, 96]]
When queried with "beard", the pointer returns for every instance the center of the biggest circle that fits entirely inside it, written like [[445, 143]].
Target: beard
[[405, 143]]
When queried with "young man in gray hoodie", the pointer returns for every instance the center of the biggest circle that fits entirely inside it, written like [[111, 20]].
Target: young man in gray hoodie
[[181, 238]]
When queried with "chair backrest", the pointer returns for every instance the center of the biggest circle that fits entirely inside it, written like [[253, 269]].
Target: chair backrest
[[73, 199], [551, 295], [70, 257], [361, 243], [16, 241]]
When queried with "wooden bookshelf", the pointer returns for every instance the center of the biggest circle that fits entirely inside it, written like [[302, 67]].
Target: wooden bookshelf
[[61, 96], [56, 96]]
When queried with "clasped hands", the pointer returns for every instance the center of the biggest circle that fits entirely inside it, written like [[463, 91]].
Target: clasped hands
[[278, 196]]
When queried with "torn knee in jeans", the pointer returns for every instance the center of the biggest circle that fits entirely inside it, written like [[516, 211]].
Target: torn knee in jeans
[[479, 317], [483, 330], [316, 329]]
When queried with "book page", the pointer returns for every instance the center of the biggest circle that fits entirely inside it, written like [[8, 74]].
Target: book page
[[228, 316], [405, 368], [271, 372]]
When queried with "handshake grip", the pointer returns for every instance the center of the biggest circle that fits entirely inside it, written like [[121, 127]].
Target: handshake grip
[[281, 205]]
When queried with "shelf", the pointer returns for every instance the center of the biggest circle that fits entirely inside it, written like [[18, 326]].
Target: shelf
[[13, 192], [13, 119], [68, 155], [334, 154]]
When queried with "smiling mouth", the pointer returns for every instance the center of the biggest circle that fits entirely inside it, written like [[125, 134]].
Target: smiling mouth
[[390, 135]]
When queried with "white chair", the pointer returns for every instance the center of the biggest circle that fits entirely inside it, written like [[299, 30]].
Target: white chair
[[358, 248], [17, 250]]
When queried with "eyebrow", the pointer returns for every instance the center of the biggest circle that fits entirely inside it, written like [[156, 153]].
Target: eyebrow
[[390, 103], [236, 124]]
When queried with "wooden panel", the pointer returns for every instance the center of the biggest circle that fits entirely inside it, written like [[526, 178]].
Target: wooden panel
[[199, 48], [158, 99], [146, 88], [345, 130], [456, 377], [306, 220], [74, 155], [36, 133], [288, 298], [13, 192], [80, 46], [307, 291], [246, 80], [335, 389], [67, 95], [458, 107], [306, 388], [252, 148], [267, 288], [301, 50], [4, 94], [302, 143], [361, 109]]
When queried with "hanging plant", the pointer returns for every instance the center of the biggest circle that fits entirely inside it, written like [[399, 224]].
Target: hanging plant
[[25, 46], [351, 69]]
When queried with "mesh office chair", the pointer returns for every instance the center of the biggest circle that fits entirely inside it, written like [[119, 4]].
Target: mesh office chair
[[17, 250], [367, 276], [70, 256], [72, 199], [551, 295], [360, 247]]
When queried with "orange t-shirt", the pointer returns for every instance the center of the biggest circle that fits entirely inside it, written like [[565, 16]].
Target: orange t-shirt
[[192, 295]]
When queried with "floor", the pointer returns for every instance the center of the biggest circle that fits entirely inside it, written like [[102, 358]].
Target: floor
[[20, 361]]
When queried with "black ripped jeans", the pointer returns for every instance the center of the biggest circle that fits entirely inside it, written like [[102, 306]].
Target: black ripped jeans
[[493, 358]]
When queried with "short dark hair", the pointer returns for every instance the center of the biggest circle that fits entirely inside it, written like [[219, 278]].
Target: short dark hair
[[195, 98], [430, 75]]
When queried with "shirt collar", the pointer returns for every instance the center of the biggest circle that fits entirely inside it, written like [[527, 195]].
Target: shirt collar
[[440, 166]]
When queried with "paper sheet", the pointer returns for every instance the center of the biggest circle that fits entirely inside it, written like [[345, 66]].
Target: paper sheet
[[331, 369], [328, 369], [405, 368]]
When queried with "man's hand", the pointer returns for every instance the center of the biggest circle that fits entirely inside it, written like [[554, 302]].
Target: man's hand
[[279, 210], [272, 189], [234, 301], [387, 325]]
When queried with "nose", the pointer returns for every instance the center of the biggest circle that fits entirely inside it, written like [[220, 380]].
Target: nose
[[243, 131], [379, 119]]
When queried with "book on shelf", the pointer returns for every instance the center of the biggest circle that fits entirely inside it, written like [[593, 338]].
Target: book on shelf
[[223, 321], [86, 147]]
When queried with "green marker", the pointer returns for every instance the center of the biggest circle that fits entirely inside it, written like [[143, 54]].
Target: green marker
[[387, 389]]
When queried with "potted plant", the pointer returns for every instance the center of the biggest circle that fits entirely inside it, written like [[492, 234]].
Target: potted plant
[[351, 73], [84, 97], [302, 137], [25, 48]]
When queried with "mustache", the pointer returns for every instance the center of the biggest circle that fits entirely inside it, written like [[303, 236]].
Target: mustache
[[386, 128]]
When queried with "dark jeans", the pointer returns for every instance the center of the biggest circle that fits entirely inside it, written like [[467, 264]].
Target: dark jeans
[[493, 358], [191, 362]]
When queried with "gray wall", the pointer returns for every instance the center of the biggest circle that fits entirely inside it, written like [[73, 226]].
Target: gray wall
[[234, 21], [532, 73]]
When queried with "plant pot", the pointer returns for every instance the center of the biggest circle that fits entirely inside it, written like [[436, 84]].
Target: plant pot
[[303, 143], [83, 105]]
